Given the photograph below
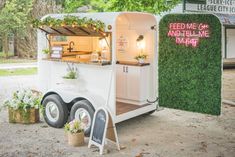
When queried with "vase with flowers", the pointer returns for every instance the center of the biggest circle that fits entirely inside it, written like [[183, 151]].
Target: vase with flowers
[[75, 133]]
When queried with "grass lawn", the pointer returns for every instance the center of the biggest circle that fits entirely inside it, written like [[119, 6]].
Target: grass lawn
[[15, 60], [23, 71]]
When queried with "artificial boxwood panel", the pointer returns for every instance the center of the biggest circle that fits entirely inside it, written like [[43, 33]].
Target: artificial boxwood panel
[[190, 77]]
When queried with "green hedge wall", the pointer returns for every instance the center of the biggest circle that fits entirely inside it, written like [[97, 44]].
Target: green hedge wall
[[190, 78]]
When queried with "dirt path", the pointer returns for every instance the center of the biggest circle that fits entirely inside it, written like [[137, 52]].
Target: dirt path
[[165, 133], [229, 85]]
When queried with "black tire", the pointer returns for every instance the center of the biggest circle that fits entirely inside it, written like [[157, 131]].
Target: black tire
[[88, 107], [63, 111]]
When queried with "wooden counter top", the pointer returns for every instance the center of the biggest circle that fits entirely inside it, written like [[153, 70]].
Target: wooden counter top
[[78, 61], [132, 63], [74, 53]]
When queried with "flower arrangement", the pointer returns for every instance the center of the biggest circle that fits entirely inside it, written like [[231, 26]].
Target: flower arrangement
[[69, 20], [141, 56], [24, 107], [72, 72], [74, 126], [75, 132], [24, 99]]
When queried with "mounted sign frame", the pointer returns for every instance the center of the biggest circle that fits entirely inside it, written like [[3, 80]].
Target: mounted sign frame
[[210, 6], [103, 130]]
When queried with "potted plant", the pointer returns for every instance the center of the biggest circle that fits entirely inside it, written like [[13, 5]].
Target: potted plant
[[72, 72], [24, 107], [46, 53], [141, 58], [71, 77], [75, 133]]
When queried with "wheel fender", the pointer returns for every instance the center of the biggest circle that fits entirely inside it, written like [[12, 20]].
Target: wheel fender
[[69, 96]]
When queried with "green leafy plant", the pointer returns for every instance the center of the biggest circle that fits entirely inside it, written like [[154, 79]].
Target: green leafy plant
[[72, 72], [190, 78], [46, 51], [73, 127], [141, 56]]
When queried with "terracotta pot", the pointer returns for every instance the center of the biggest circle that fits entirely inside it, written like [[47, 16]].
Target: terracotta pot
[[27, 116], [76, 139]]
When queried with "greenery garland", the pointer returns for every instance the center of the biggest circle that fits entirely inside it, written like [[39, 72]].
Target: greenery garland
[[69, 20]]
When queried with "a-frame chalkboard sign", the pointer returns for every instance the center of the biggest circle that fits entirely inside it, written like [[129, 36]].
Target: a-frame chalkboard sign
[[102, 130]]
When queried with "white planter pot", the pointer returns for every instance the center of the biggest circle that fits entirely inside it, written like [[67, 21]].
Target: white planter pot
[[70, 82], [45, 56], [74, 84], [141, 61]]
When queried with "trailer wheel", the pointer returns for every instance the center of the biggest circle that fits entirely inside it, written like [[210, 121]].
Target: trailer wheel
[[151, 112], [84, 112], [55, 111]]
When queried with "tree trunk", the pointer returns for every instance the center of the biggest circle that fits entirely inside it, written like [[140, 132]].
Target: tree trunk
[[27, 46], [5, 45], [16, 52]]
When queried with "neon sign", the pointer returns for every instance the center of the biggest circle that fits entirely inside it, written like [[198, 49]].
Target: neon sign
[[188, 34]]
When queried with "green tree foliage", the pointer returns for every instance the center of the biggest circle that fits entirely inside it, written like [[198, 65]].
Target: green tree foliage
[[14, 17], [71, 6], [151, 6]]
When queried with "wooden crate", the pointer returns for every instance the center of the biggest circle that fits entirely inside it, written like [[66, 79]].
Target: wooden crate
[[21, 116]]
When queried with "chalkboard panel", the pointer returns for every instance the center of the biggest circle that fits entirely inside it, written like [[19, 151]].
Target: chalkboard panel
[[99, 127]]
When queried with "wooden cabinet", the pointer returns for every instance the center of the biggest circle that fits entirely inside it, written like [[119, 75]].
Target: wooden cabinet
[[132, 82]]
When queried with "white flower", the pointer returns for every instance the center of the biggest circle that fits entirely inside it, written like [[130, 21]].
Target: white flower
[[23, 99]]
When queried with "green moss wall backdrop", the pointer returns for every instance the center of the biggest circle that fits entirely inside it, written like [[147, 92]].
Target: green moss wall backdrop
[[190, 66]]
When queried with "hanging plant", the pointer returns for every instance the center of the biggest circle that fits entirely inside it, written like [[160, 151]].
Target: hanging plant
[[70, 20]]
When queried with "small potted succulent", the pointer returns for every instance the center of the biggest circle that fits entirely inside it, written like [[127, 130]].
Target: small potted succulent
[[24, 107], [75, 133], [46, 53], [141, 58]]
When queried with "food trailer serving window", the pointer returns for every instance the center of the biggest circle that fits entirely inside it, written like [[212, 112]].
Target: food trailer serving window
[[79, 40]]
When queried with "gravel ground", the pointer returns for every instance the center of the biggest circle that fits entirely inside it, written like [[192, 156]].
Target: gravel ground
[[165, 133], [229, 85]]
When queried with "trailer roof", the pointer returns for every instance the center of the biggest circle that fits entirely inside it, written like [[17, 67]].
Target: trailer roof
[[108, 18]]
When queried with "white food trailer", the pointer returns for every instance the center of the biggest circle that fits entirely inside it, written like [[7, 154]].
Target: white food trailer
[[113, 79]]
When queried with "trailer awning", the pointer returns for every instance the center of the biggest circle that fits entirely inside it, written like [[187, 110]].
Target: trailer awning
[[72, 31], [227, 19]]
